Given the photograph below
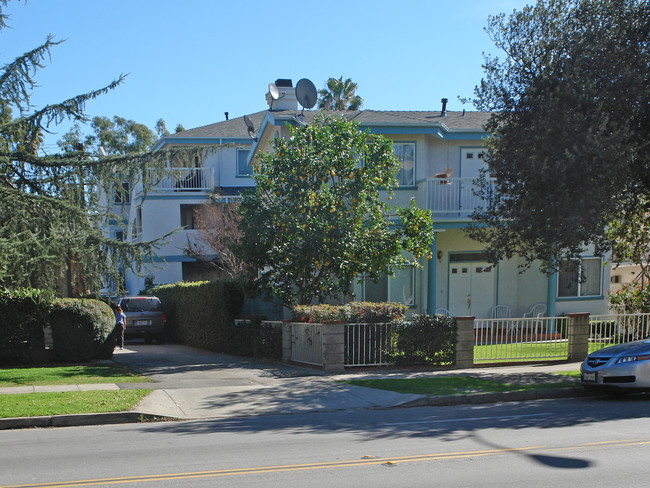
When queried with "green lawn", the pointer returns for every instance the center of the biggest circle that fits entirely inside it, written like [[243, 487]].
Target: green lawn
[[521, 351], [452, 385], [73, 402], [69, 375], [527, 351]]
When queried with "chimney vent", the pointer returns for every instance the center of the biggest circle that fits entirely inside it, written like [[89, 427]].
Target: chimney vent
[[443, 113], [226, 114]]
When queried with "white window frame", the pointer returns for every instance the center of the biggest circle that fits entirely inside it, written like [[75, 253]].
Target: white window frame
[[249, 172], [389, 289], [580, 283], [122, 194], [402, 161]]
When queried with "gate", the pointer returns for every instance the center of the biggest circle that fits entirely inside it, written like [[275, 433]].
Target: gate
[[307, 343]]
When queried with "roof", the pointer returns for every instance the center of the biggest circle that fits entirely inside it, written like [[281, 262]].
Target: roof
[[235, 128]]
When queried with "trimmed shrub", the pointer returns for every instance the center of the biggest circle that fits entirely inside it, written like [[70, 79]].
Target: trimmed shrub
[[353, 312], [82, 329], [254, 338], [425, 340], [23, 313], [201, 314]]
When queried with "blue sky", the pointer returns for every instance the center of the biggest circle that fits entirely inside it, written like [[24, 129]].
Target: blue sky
[[189, 62]]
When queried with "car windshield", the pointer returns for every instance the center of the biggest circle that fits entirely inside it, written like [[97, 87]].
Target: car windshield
[[141, 305]]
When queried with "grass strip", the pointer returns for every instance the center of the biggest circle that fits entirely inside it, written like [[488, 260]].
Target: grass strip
[[72, 402], [450, 385], [69, 375]]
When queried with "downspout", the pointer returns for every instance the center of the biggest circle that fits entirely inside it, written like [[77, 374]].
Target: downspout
[[431, 280]]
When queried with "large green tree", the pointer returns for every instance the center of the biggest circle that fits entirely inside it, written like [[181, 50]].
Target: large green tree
[[51, 218], [339, 94], [570, 152], [317, 219]]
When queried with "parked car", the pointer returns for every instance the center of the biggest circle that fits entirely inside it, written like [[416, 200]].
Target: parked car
[[622, 367], [144, 318]]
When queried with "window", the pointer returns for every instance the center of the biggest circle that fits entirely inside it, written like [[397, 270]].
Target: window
[[119, 235], [405, 152], [123, 193], [189, 214], [243, 168], [397, 288], [580, 279]]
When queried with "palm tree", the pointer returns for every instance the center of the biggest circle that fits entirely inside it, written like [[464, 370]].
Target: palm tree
[[339, 95]]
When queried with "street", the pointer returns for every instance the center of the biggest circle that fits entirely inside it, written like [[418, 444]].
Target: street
[[571, 442]]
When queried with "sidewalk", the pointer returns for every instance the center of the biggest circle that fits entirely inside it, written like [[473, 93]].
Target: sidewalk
[[192, 384]]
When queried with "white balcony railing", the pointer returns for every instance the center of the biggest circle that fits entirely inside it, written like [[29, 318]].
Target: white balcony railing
[[453, 197], [182, 179]]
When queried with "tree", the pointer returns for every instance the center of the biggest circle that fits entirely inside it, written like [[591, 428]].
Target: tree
[[218, 224], [51, 218], [316, 220], [570, 151], [339, 95]]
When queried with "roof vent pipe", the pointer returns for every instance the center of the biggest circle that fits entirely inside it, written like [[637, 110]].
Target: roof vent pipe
[[444, 107], [226, 114]]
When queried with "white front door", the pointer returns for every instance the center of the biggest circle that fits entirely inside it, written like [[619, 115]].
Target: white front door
[[472, 289]]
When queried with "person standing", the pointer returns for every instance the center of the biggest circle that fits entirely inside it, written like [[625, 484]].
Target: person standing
[[120, 326]]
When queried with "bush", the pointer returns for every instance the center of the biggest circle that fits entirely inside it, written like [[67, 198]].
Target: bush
[[201, 314], [425, 340], [23, 313], [255, 338], [82, 329], [353, 312], [632, 298]]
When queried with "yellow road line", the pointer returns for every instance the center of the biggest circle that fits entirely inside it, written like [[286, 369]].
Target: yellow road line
[[312, 466]]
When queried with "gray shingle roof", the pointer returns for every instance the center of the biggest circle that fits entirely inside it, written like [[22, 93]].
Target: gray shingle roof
[[236, 127]]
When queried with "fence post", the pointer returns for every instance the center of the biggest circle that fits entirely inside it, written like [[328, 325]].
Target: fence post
[[578, 335], [286, 341], [465, 342], [333, 348]]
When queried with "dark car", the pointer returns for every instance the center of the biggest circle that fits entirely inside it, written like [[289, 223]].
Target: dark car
[[144, 318]]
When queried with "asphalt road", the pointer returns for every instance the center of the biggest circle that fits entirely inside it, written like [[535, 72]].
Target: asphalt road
[[571, 442]]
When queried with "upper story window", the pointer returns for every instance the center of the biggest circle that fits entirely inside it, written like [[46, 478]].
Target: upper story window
[[405, 152], [243, 168], [122, 193], [580, 278], [189, 216]]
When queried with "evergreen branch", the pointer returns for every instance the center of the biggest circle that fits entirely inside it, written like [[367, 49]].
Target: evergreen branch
[[70, 109], [16, 81]]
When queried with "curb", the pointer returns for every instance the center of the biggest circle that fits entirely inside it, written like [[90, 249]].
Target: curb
[[506, 396], [77, 420]]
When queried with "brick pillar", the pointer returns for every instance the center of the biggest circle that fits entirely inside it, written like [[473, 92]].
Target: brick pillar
[[286, 342], [578, 335], [333, 348], [465, 342]]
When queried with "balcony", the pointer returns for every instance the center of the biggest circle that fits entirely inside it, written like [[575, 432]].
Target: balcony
[[182, 179], [449, 198]]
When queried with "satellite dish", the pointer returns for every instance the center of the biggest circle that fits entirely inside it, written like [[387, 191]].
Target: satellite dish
[[250, 128], [306, 93], [273, 90]]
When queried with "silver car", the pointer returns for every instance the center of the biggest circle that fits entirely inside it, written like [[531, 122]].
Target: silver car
[[144, 318], [622, 367]]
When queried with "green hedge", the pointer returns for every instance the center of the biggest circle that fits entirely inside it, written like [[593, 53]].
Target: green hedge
[[353, 312], [23, 312], [425, 340], [201, 314], [82, 329], [254, 338]]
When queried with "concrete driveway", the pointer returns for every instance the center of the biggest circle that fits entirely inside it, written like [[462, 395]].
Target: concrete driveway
[[193, 383]]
